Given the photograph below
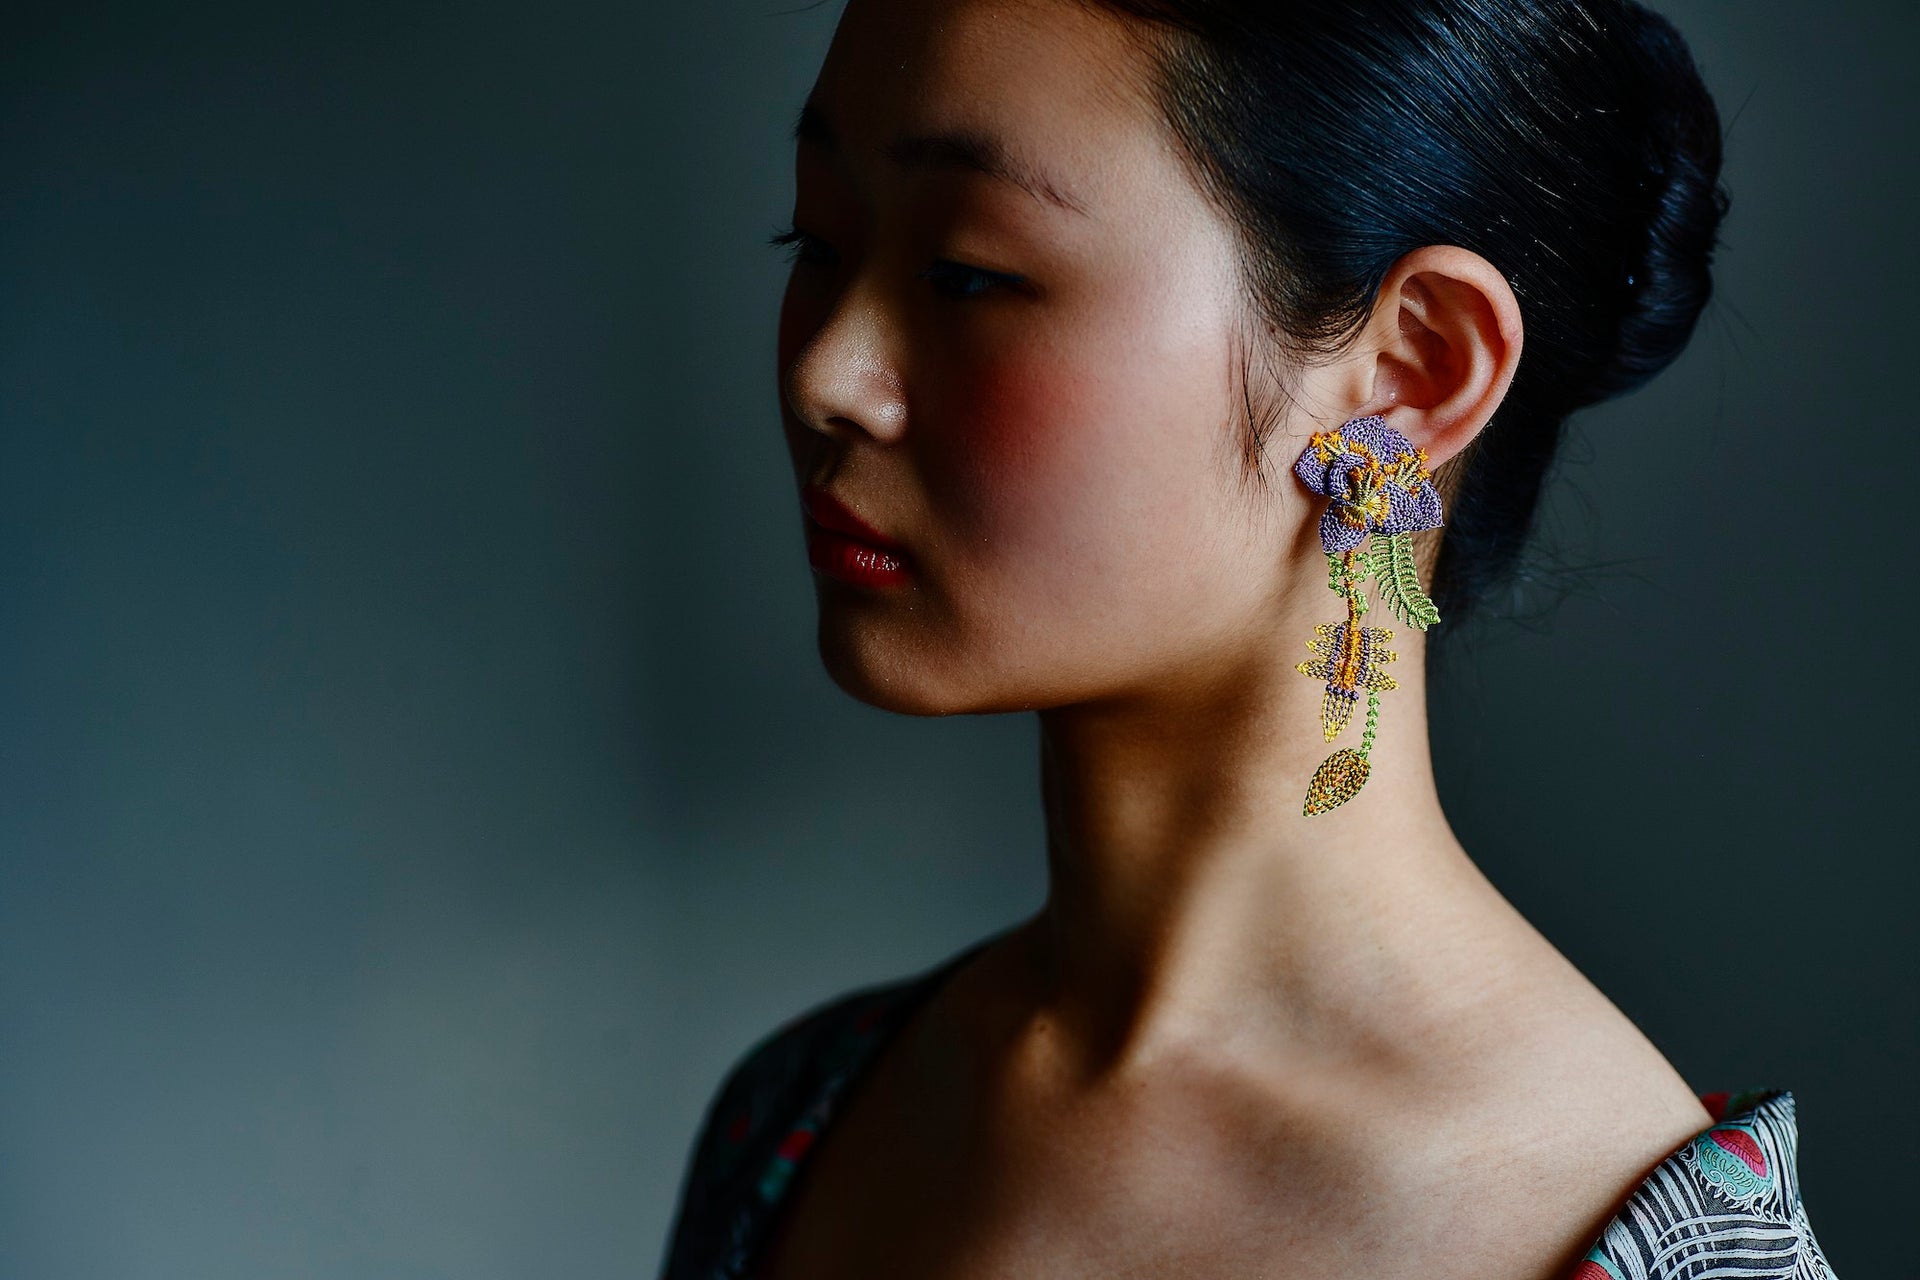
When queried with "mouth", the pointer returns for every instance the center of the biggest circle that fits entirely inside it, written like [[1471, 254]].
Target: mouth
[[850, 560], [842, 545], [830, 513]]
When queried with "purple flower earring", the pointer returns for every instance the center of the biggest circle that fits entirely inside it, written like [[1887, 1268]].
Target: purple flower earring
[[1379, 488]]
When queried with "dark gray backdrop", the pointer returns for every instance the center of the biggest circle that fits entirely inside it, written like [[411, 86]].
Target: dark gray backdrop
[[417, 784]]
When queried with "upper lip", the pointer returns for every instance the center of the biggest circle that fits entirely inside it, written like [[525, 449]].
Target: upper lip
[[831, 513]]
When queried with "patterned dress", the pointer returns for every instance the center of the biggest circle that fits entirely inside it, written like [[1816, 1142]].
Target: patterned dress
[[1725, 1205]]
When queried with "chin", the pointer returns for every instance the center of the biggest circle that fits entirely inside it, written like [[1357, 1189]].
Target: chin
[[892, 673], [884, 687]]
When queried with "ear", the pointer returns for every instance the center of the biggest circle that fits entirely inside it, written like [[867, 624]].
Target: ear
[[1441, 348]]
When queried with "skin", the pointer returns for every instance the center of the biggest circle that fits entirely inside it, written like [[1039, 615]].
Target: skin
[[1233, 1040]]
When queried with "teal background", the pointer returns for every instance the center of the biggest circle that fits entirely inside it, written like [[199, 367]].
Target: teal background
[[417, 782]]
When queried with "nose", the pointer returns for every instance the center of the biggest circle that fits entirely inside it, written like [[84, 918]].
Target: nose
[[843, 382]]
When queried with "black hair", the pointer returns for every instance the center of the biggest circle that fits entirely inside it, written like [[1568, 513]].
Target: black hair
[[1571, 143]]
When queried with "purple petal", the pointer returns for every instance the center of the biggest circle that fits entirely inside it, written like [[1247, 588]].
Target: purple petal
[[1329, 478], [1374, 432], [1340, 474], [1312, 471], [1336, 535], [1427, 502], [1410, 511]]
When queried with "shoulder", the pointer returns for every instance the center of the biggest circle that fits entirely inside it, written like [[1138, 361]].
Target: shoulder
[[1731, 1194], [781, 1065], [791, 1057], [763, 1091]]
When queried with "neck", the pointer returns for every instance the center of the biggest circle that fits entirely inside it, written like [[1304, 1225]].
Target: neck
[[1188, 897]]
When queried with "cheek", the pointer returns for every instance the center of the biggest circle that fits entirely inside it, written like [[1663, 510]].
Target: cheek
[[1064, 480], [1015, 466]]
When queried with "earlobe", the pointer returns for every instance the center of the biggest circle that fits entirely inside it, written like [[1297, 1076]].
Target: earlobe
[[1449, 345]]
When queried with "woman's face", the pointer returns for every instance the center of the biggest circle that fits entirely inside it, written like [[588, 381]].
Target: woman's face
[[1031, 384]]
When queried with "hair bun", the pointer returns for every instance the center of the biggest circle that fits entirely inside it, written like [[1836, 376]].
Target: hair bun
[[1667, 273]]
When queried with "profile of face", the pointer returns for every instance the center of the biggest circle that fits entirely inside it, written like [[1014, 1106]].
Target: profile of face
[[1030, 378]]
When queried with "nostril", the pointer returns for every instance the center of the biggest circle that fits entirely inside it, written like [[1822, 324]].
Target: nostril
[[820, 468]]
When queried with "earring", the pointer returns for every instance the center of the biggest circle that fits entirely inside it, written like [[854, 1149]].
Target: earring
[[1380, 489]]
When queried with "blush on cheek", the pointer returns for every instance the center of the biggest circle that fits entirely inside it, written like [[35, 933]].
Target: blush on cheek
[[1027, 472], [996, 457]]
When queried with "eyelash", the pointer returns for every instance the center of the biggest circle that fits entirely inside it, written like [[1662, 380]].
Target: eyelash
[[943, 272]]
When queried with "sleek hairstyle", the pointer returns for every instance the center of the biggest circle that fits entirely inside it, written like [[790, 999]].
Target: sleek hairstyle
[[1571, 143]]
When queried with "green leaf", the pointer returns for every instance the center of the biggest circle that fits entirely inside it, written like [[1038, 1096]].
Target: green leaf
[[1399, 580]]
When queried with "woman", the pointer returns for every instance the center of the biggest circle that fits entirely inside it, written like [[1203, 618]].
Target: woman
[[1114, 327]]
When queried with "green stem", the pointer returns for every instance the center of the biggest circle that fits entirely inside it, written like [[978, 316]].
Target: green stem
[[1373, 719]]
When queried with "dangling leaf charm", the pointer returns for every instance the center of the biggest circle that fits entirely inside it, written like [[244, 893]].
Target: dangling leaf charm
[[1337, 780]]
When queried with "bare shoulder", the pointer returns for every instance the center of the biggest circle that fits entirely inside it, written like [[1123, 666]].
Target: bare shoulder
[[1552, 1044], [1520, 1143]]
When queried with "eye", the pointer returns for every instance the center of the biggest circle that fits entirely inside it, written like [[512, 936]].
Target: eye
[[800, 246], [956, 279], [962, 281]]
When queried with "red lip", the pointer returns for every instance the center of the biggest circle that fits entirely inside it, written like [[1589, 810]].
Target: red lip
[[842, 545], [830, 513]]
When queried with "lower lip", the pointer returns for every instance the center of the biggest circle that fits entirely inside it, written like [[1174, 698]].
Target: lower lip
[[861, 563]]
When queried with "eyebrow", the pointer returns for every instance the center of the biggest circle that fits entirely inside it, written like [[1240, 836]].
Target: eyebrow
[[963, 149]]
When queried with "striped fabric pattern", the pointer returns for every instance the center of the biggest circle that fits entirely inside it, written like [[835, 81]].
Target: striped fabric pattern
[[1725, 1205]]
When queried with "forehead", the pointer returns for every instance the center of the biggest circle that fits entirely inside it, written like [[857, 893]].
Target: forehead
[[1061, 87]]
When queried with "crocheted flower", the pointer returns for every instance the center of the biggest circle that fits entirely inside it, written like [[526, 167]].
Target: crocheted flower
[[1349, 659], [1378, 482]]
